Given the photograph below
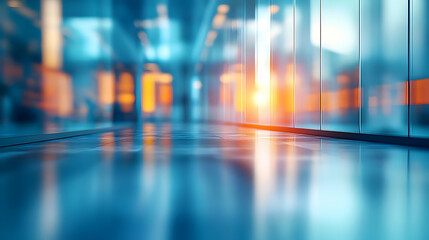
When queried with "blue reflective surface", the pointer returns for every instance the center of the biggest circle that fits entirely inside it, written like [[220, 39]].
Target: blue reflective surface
[[384, 68], [212, 182], [282, 63], [419, 56], [307, 71], [340, 65]]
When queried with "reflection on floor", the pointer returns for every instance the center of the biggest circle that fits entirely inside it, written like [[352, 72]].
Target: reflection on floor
[[212, 182], [20, 130]]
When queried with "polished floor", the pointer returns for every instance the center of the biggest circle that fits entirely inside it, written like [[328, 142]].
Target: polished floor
[[176, 181]]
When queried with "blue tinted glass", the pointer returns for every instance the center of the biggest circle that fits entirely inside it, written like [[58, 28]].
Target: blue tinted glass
[[56, 66], [340, 65], [250, 69], [385, 67], [261, 96], [307, 72], [419, 108], [282, 62]]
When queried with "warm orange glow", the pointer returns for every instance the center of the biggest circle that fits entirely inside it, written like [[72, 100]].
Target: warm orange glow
[[149, 88], [166, 142], [276, 92], [106, 87], [343, 80], [228, 77], [107, 141], [224, 93], [57, 93], [239, 103], [402, 89], [328, 101], [52, 39], [357, 94], [261, 98], [164, 78], [13, 3], [218, 21], [341, 100], [344, 99], [211, 37], [126, 95], [289, 100], [151, 67], [231, 81], [420, 92], [126, 146], [65, 95], [289, 89], [274, 9], [313, 102], [148, 92], [148, 146], [126, 83], [126, 99], [223, 8], [166, 94]]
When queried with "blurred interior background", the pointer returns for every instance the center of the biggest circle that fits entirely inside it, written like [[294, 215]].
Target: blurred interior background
[[357, 66], [353, 66]]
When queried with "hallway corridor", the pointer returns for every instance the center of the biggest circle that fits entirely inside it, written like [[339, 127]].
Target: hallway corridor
[[194, 181]]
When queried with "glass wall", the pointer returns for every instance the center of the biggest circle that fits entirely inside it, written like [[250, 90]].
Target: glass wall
[[307, 71], [55, 65], [351, 66], [385, 67], [340, 65], [81, 64], [330, 65], [250, 71], [419, 84], [282, 62]]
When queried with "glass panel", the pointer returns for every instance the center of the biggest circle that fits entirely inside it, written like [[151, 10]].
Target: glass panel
[[340, 65], [231, 81], [385, 67], [250, 67], [236, 54], [419, 111], [282, 62], [56, 74], [307, 73], [261, 95]]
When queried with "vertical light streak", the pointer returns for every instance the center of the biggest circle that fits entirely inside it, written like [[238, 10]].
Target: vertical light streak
[[264, 167], [166, 94], [49, 193], [238, 93], [57, 92], [126, 96], [56, 86], [65, 95], [148, 96], [106, 87], [51, 34], [263, 56]]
